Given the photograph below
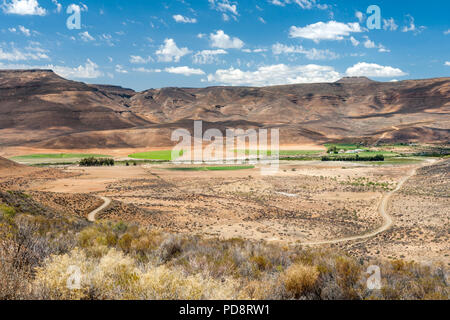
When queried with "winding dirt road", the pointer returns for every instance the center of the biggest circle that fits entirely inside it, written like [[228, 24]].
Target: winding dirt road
[[382, 209], [92, 215]]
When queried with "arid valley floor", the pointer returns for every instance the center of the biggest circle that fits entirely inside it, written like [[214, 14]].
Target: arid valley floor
[[308, 203]]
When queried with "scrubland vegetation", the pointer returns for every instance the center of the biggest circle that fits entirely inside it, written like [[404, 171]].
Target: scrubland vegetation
[[38, 248], [129, 261], [364, 182]]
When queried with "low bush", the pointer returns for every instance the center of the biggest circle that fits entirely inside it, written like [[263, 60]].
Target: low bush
[[117, 276], [299, 280]]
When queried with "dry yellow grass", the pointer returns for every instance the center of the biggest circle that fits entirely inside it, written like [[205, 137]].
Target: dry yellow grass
[[121, 261], [298, 279]]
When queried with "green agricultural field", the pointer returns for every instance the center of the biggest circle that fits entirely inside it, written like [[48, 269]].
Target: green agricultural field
[[374, 153], [59, 156], [54, 159], [220, 168], [165, 155], [299, 152], [399, 161], [282, 152], [392, 161], [344, 146], [368, 153], [252, 152]]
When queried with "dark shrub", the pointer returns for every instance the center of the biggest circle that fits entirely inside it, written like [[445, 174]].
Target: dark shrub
[[378, 157], [94, 162]]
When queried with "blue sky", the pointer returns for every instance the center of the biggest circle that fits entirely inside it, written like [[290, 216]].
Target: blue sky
[[145, 44]]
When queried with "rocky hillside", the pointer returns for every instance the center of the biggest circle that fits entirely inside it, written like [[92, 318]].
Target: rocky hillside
[[7, 164], [37, 107], [45, 105]]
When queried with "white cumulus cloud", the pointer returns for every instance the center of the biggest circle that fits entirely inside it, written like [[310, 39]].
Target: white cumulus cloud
[[225, 6], [182, 19], [186, 71], [169, 51], [275, 75], [19, 55], [223, 41], [23, 7], [363, 69], [331, 30], [89, 70]]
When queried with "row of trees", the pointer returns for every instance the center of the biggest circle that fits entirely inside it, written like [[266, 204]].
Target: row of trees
[[378, 157], [94, 162], [333, 149]]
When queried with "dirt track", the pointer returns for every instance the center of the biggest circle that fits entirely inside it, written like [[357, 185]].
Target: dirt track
[[382, 209], [92, 215]]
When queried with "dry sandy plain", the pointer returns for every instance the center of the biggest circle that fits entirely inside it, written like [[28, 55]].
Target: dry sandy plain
[[307, 202]]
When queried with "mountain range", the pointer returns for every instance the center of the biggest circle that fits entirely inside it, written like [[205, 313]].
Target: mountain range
[[38, 108]]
